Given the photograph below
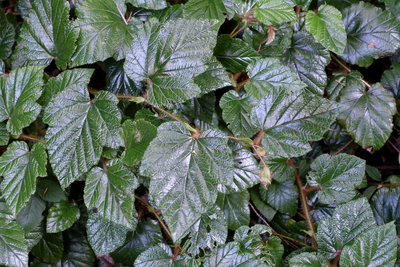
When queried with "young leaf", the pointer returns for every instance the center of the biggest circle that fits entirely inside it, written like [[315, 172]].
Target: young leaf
[[185, 172], [328, 28], [349, 221], [386, 206], [209, 9], [101, 21], [18, 94], [268, 73], [7, 36], [13, 246], [50, 248], [167, 56], [272, 12], [78, 130], [281, 196], [61, 216], [371, 33], [308, 59], [287, 133], [148, 4], [376, 247], [234, 53], [236, 208], [48, 33], [338, 177], [110, 191], [20, 167]]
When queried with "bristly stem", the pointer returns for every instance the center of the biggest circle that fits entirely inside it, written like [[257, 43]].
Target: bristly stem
[[33, 138]]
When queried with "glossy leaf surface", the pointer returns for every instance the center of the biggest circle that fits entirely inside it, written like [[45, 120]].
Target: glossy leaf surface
[[7, 36], [13, 246], [61, 216], [236, 208], [272, 12]]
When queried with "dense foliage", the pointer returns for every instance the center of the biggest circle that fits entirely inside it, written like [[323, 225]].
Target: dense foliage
[[199, 133]]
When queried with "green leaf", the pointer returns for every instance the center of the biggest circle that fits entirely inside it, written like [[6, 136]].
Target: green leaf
[[49, 34], [208, 9], [236, 112], [349, 221], [77, 252], [339, 4], [100, 22], [32, 214], [393, 6], [338, 177], [148, 4], [49, 189], [185, 172], [78, 130], [376, 247], [280, 169], [371, 33], [167, 56], [4, 135], [20, 167], [147, 234], [137, 136], [13, 246], [307, 259], [287, 133], [236, 208], [391, 80], [34, 236], [269, 73], [50, 248], [282, 196], [249, 238], [110, 191], [272, 12], [234, 53], [61, 216], [308, 59], [7, 36], [213, 78], [117, 80], [104, 236], [328, 28], [158, 256], [5, 212], [265, 209], [18, 94]]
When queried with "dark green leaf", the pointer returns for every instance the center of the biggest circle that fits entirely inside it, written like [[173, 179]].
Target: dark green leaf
[[371, 33], [34, 236], [281, 196], [201, 110], [104, 236], [5, 212], [213, 78], [308, 59], [61, 216], [78, 130], [49, 34], [4, 135], [307, 259], [250, 238], [185, 172], [281, 171], [376, 247], [339, 4], [148, 4], [20, 167], [391, 80], [100, 22], [393, 6], [234, 53], [18, 94], [50, 248], [117, 80], [77, 252], [267, 74], [338, 177], [266, 210], [49, 189], [31, 215], [236, 208], [287, 133], [147, 234], [236, 112], [7, 36], [272, 12], [13, 246], [209, 9], [137, 136], [348, 221], [110, 191]]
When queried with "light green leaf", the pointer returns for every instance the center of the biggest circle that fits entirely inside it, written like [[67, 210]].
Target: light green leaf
[[5, 212], [20, 167], [376, 247], [49, 34], [371, 33], [147, 234], [338, 176], [215, 77], [209, 9], [61, 216], [391, 80], [308, 59], [185, 172], [4, 135], [18, 94], [328, 28], [234, 53], [273, 12], [34, 236], [137, 136], [32, 214], [50, 248], [236, 208], [148, 4], [236, 111], [110, 191], [307, 259], [100, 22], [167, 56], [282, 196], [13, 246], [267, 74], [347, 222], [287, 133], [7, 36], [104, 236], [78, 130]]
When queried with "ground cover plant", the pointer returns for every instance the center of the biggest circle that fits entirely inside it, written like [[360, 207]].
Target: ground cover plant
[[199, 133]]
